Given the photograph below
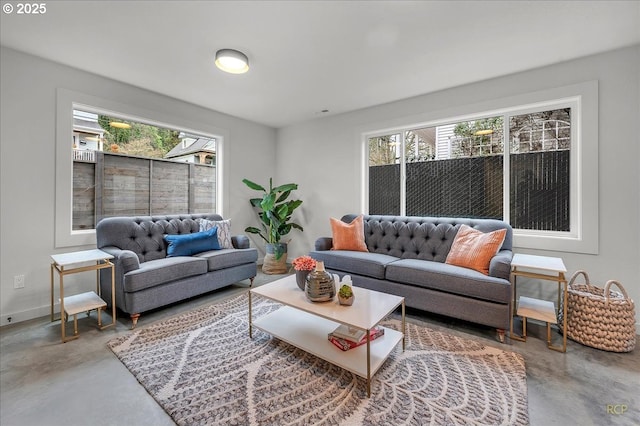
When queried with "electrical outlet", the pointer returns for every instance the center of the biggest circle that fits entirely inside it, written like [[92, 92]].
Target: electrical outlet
[[18, 281]]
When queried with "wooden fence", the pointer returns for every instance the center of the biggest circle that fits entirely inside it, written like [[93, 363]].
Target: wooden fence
[[473, 187], [119, 185]]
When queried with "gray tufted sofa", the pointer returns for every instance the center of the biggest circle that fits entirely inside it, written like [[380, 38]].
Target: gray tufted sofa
[[146, 279], [406, 257]]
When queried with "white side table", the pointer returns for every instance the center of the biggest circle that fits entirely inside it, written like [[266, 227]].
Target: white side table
[[542, 268], [94, 260]]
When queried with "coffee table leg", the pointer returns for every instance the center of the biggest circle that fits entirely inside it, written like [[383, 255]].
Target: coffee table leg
[[404, 328], [250, 325], [368, 363]]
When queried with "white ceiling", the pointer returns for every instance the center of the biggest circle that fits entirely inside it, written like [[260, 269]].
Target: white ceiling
[[307, 56]]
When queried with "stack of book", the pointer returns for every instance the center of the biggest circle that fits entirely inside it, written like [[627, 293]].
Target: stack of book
[[346, 337]]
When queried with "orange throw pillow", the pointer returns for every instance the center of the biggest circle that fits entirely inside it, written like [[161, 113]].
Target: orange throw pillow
[[474, 249], [348, 236]]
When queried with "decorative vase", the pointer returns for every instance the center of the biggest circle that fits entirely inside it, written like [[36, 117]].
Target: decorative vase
[[320, 286], [301, 278]]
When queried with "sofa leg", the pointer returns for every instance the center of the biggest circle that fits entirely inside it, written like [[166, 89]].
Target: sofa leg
[[500, 334], [134, 320], [251, 282]]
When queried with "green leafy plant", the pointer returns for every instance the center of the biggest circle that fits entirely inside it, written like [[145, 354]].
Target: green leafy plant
[[274, 211], [345, 291]]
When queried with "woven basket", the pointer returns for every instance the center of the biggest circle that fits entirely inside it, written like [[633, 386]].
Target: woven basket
[[600, 318]]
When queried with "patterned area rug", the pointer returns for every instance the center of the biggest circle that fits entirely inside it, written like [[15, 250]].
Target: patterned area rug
[[203, 369]]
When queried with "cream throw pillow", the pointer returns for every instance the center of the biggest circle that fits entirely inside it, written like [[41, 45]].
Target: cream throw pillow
[[224, 230]]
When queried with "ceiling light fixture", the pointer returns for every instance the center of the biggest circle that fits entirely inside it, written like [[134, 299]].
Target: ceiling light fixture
[[232, 61], [119, 125]]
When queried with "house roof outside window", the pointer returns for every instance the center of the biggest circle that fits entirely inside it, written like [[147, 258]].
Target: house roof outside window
[[194, 149]]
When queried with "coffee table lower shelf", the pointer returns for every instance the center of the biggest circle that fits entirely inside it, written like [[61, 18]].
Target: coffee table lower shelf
[[309, 333]]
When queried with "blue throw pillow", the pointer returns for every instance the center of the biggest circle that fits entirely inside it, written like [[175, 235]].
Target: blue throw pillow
[[188, 244]]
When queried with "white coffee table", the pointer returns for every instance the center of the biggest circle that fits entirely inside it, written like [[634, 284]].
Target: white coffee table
[[305, 324]]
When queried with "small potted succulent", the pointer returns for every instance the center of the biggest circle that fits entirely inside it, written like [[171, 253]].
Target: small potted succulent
[[345, 295], [303, 265]]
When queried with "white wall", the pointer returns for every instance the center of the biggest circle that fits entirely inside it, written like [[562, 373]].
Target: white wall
[[324, 156], [27, 168]]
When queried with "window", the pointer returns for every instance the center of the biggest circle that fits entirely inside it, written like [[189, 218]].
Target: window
[[539, 170], [131, 168], [384, 174], [521, 164], [111, 162], [458, 170]]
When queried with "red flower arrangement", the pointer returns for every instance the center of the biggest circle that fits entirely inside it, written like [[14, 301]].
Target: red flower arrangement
[[304, 263]]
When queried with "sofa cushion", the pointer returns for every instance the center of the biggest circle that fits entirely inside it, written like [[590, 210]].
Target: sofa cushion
[[160, 271], [474, 249], [449, 278], [189, 244], [348, 236], [226, 258], [354, 262]]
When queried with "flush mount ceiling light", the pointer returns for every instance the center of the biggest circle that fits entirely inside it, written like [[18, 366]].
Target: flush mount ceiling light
[[232, 61], [119, 125]]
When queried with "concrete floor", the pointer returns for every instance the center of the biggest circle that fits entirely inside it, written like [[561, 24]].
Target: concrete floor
[[44, 382]]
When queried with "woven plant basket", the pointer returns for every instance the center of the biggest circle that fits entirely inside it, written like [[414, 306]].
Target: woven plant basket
[[600, 318]]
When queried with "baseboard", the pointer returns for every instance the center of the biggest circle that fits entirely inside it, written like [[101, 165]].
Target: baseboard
[[29, 314]]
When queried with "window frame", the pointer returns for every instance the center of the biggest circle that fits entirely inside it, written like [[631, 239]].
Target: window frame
[[583, 100], [66, 102]]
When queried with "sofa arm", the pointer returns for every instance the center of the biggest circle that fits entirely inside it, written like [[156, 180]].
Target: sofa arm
[[324, 243], [500, 265], [124, 260], [240, 242]]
